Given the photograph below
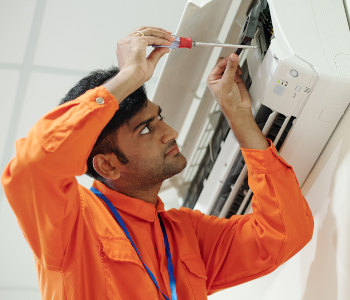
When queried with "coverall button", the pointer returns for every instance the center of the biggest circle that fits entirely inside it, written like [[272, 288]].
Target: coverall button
[[100, 100]]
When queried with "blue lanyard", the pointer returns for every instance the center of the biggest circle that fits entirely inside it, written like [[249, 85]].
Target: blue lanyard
[[166, 244]]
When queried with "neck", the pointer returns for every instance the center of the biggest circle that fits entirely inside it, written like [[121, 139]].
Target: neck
[[149, 195]]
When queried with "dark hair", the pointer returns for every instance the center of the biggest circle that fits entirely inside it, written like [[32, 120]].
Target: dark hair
[[128, 108]]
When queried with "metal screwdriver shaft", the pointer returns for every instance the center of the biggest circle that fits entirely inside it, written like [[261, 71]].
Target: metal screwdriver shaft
[[224, 45], [181, 42]]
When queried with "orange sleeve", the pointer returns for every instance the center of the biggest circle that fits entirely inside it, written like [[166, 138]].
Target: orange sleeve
[[40, 183], [243, 248]]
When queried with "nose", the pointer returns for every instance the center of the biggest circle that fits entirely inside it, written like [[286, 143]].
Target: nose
[[168, 133]]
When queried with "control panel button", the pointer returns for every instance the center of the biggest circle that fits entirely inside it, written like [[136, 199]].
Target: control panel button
[[297, 88], [294, 73]]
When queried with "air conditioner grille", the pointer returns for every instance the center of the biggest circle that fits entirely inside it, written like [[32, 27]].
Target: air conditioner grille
[[244, 188], [277, 124], [211, 154], [237, 167], [207, 163]]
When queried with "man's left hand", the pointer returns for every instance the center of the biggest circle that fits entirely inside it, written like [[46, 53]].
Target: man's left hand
[[230, 92], [227, 87]]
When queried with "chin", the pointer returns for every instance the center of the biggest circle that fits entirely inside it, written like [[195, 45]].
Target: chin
[[182, 164], [176, 167]]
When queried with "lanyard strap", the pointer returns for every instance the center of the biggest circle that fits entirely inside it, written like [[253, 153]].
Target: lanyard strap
[[166, 244], [170, 263]]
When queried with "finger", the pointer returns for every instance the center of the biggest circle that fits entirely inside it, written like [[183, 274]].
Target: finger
[[148, 27], [237, 78], [231, 67], [239, 70], [220, 58], [220, 66], [152, 40], [158, 33], [156, 55], [158, 28]]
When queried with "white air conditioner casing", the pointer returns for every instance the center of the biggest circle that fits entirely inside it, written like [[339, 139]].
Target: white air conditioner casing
[[304, 76]]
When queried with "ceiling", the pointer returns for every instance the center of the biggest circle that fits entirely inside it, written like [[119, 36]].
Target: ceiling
[[46, 47]]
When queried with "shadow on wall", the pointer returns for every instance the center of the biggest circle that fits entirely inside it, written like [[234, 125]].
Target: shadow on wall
[[329, 274], [322, 279]]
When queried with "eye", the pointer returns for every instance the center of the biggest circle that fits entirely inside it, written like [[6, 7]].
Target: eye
[[145, 130]]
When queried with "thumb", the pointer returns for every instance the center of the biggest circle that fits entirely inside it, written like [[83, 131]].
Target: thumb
[[156, 54], [231, 68]]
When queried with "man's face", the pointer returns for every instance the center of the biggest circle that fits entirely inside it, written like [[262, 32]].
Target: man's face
[[149, 145]]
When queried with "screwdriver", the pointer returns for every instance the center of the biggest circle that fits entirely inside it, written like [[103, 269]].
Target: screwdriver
[[181, 42]]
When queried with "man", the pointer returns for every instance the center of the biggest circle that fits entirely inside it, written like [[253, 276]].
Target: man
[[113, 133]]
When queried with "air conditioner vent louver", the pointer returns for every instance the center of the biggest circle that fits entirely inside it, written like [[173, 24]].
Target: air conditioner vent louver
[[258, 23], [242, 193], [246, 76], [276, 127], [227, 187]]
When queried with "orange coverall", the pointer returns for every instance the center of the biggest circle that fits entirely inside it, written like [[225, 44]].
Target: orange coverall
[[82, 253]]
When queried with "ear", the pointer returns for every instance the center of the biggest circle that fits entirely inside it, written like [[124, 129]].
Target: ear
[[107, 165]]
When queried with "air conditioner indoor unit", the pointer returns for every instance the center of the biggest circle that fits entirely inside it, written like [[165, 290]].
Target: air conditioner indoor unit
[[298, 80]]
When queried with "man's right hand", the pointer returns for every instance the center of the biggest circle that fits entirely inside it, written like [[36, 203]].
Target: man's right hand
[[131, 50], [135, 67]]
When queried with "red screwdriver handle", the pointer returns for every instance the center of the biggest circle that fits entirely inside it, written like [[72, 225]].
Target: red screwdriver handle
[[180, 42], [186, 42]]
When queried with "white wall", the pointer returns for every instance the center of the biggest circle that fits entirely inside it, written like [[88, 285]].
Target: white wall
[[320, 271]]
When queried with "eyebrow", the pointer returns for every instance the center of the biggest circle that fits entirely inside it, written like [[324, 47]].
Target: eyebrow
[[148, 120]]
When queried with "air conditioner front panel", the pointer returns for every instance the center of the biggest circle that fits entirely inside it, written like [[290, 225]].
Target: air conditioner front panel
[[310, 38], [183, 69]]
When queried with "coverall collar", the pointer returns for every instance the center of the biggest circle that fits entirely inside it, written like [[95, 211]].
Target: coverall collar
[[133, 206]]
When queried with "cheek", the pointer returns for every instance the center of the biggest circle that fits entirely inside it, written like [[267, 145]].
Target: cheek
[[149, 144], [146, 151]]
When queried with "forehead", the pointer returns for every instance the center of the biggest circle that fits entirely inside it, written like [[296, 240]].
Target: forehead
[[151, 110]]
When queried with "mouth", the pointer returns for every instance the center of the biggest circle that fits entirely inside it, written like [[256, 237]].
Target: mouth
[[173, 150]]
